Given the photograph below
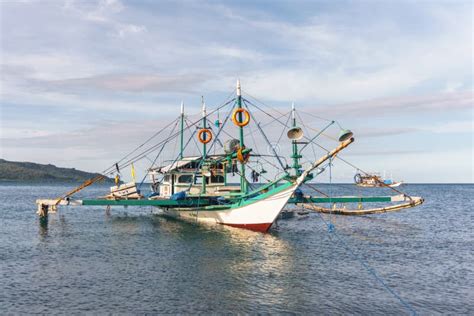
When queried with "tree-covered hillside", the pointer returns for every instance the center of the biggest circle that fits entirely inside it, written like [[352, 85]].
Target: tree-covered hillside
[[33, 172]]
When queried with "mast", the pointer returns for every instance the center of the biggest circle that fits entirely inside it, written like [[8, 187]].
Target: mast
[[296, 166], [182, 131], [204, 149], [243, 183]]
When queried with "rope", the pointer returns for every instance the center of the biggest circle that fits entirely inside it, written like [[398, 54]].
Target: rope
[[366, 265], [313, 188], [159, 153], [366, 173], [331, 226], [221, 128], [152, 148], [143, 144], [353, 166], [194, 140], [266, 139]]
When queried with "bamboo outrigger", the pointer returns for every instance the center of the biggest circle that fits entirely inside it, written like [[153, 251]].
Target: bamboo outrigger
[[197, 188]]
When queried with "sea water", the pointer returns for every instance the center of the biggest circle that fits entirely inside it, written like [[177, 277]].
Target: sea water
[[85, 260]]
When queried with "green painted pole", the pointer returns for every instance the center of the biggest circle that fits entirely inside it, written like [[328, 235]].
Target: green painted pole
[[296, 156], [182, 131], [204, 149], [243, 183]]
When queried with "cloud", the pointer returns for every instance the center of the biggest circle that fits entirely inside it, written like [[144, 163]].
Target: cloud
[[333, 60], [132, 83], [382, 153], [382, 132], [401, 106], [81, 62], [463, 126], [105, 12]]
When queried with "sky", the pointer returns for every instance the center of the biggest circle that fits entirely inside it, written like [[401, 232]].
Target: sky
[[84, 82]]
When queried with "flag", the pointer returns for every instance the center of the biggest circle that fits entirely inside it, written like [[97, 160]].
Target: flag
[[133, 173]]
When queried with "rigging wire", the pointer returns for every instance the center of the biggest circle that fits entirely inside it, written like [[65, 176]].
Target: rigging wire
[[144, 143], [276, 110], [194, 140], [315, 116], [353, 166], [221, 128], [152, 148], [311, 185], [323, 148], [283, 130], [161, 150], [266, 139], [268, 123]]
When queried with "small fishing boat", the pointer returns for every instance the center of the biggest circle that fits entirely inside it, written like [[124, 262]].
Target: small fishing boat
[[374, 180], [198, 187]]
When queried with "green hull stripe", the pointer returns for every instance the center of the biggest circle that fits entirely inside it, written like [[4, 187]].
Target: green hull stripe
[[262, 196], [161, 203], [203, 202]]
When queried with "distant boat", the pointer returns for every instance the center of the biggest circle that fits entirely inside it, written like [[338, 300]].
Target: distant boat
[[374, 180]]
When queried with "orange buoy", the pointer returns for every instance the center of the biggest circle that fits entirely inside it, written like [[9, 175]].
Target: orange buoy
[[205, 135], [243, 158], [246, 119]]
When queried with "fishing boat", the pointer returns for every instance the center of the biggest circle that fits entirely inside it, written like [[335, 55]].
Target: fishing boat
[[374, 180], [198, 187]]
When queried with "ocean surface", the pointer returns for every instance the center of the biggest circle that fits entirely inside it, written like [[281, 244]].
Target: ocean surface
[[83, 260]]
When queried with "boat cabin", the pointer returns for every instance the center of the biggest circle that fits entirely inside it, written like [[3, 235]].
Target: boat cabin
[[188, 175]]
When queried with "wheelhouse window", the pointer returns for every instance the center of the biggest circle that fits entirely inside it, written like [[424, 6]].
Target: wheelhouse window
[[167, 178], [185, 178], [198, 180], [217, 179]]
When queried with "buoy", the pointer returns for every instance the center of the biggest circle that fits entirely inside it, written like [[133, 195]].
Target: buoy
[[243, 158], [246, 119], [208, 135]]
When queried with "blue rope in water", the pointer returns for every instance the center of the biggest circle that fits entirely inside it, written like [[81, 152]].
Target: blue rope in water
[[331, 227], [365, 264]]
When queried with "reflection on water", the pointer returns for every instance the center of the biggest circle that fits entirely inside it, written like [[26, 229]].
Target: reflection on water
[[43, 226], [83, 260]]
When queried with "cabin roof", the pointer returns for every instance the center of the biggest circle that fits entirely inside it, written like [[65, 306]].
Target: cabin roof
[[179, 163]]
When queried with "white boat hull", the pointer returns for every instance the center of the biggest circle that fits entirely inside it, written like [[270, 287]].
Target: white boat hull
[[379, 185], [257, 216]]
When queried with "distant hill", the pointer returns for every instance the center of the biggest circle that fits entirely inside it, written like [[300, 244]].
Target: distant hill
[[34, 172]]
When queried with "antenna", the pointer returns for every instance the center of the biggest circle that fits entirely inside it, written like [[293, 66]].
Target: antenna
[[203, 106], [239, 92]]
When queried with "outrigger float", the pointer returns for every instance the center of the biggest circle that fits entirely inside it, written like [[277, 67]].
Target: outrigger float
[[198, 188]]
